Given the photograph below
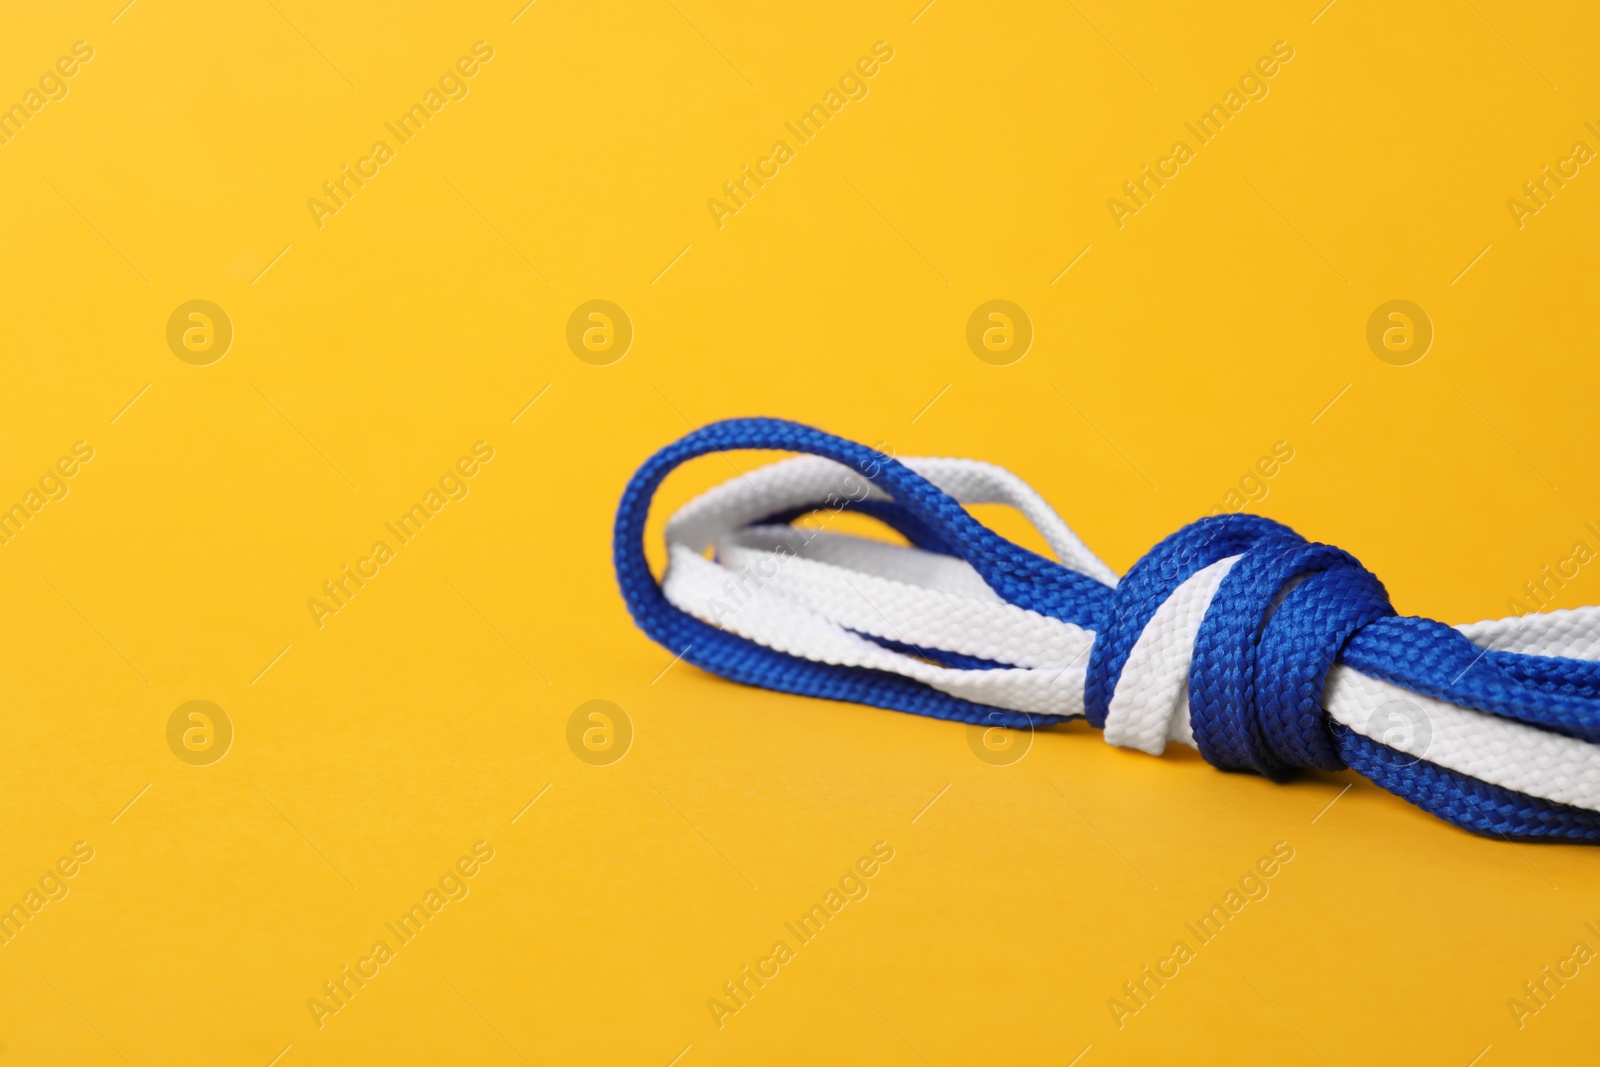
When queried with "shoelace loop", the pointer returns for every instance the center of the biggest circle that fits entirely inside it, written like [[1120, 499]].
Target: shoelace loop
[[1267, 652], [1279, 617]]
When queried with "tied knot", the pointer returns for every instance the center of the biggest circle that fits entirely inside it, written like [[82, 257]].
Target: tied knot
[[1235, 620]]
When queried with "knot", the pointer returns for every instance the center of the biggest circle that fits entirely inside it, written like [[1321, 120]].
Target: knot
[[1225, 632], [1224, 635]]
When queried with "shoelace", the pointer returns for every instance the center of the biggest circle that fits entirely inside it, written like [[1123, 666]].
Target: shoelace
[[1266, 652]]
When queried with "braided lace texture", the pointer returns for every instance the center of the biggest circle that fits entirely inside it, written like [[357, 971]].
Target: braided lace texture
[[1234, 635]]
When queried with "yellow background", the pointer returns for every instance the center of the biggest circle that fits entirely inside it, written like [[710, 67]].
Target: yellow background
[[429, 312]]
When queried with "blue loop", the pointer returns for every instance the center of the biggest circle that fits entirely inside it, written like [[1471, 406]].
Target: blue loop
[[1020, 576], [1229, 690], [1301, 643], [1149, 582], [1284, 614]]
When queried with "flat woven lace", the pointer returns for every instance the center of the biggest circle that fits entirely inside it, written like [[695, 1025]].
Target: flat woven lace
[[1266, 652]]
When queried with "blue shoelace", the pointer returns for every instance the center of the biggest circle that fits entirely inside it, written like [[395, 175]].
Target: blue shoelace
[[1285, 613]]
